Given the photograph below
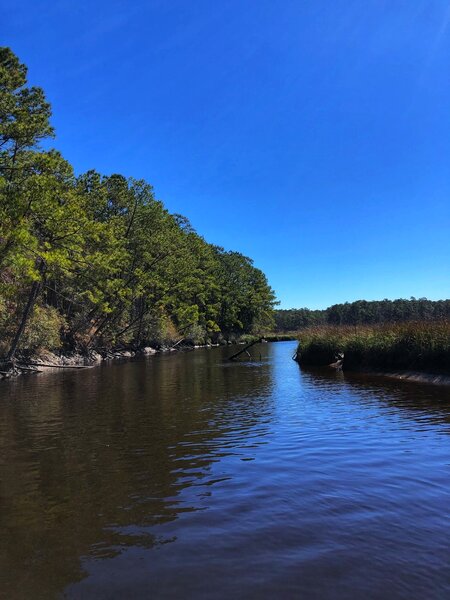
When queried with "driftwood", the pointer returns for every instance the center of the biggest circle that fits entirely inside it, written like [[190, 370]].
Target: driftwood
[[34, 364], [244, 350], [31, 369], [15, 368], [339, 364], [176, 344]]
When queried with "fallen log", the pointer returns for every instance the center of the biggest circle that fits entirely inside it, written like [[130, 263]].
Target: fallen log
[[244, 350], [34, 364], [176, 344], [22, 368]]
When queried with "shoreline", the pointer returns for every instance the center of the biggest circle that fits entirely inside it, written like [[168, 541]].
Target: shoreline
[[51, 362], [411, 351], [48, 361], [442, 379], [410, 376]]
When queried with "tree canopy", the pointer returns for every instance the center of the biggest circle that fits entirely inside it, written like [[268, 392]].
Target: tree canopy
[[92, 260], [363, 312]]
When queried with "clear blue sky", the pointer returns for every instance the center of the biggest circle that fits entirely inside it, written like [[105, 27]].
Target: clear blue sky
[[313, 135]]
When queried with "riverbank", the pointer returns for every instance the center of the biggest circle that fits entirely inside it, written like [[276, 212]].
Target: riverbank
[[47, 361], [406, 350], [414, 376], [281, 337]]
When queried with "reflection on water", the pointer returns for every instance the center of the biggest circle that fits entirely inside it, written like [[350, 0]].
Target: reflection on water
[[185, 476]]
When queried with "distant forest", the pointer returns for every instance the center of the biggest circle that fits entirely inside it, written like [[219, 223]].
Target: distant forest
[[364, 312], [96, 261]]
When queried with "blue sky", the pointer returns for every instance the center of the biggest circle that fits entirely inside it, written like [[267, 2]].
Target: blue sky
[[312, 136]]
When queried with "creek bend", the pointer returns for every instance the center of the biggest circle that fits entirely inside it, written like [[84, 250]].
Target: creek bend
[[187, 476]]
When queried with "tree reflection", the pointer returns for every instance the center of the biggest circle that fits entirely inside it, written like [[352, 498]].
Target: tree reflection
[[91, 461]]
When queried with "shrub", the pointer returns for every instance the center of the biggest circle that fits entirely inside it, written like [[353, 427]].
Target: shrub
[[43, 330]]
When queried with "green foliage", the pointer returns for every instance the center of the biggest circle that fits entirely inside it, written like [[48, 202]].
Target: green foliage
[[387, 311], [43, 330], [24, 112], [247, 338], [196, 334], [98, 259], [246, 300], [363, 312], [297, 318]]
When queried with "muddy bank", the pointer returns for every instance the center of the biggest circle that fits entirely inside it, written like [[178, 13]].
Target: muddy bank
[[404, 375], [416, 376], [406, 361], [49, 361]]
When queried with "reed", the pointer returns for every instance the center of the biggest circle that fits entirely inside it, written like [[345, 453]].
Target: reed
[[419, 346], [281, 337]]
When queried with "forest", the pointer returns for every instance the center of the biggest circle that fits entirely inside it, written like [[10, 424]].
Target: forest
[[91, 261], [363, 312]]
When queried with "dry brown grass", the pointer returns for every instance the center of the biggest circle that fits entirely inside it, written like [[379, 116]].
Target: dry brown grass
[[423, 345]]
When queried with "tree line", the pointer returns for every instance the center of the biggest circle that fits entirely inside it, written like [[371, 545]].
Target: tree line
[[93, 260], [363, 312]]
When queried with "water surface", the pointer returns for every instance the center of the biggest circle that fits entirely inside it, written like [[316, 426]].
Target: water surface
[[185, 476]]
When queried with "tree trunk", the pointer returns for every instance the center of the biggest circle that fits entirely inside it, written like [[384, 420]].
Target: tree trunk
[[35, 288]]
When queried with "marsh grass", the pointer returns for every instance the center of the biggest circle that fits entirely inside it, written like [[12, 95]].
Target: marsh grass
[[281, 337], [421, 346]]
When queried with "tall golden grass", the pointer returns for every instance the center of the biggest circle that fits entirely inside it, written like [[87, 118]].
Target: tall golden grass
[[421, 346]]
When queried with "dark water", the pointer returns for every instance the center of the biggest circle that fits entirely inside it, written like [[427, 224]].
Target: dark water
[[184, 476]]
